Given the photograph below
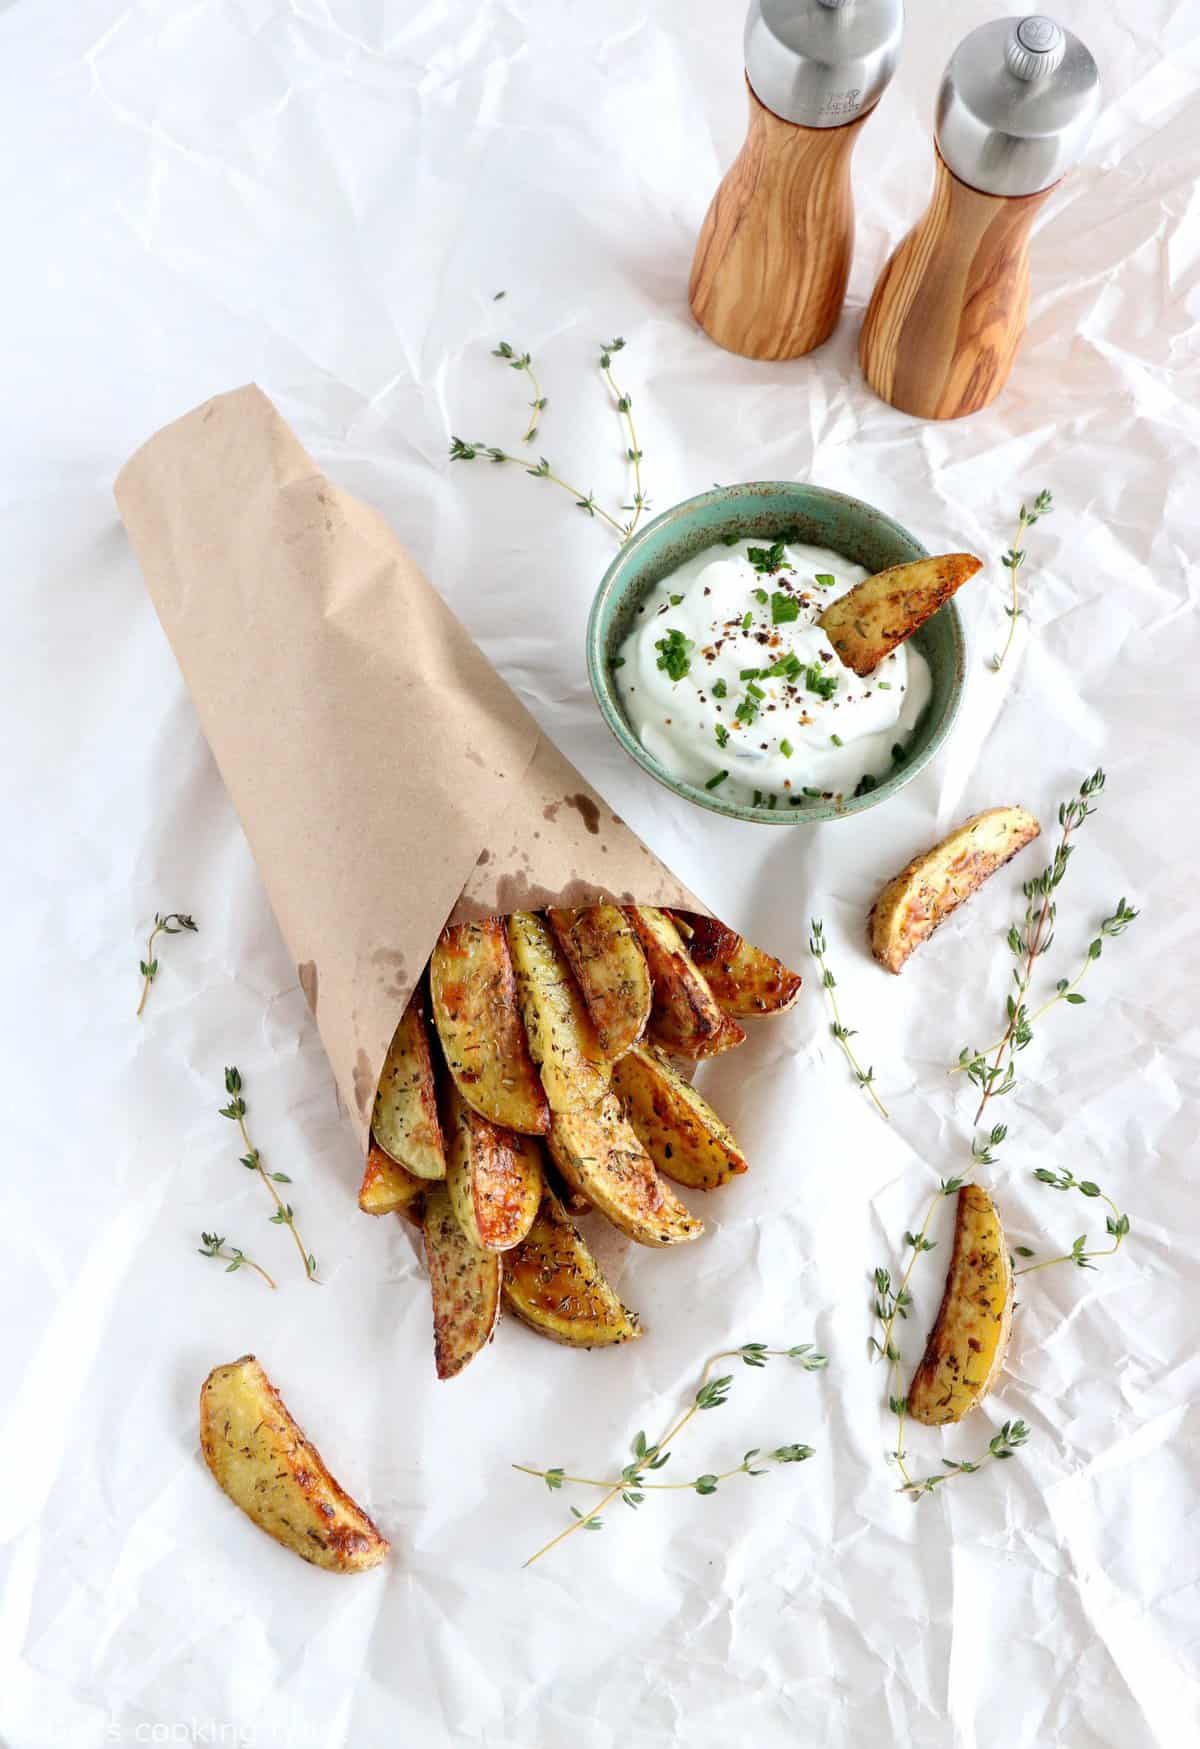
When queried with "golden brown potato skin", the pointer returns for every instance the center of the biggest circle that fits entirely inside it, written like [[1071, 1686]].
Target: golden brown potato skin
[[684, 1018], [744, 979], [562, 1039], [262, 1460], [464, 1281], [868, 622], [934, 884], [554, 1284], [599, 1155], [677, 1127], [387, 1189], [610, 969], [494, 1177], [474, 992], [405, 1121], [969, 1339]]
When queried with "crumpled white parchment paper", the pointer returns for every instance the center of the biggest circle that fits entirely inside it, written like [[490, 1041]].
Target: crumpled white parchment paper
[[325, 195]]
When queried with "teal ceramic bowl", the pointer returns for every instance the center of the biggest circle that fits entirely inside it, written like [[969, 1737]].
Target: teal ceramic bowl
[[763, 510]]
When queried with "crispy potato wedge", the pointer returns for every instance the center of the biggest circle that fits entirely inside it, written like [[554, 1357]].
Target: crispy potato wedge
[[924, 894], [868, 622], [967, 1344], [610, 968], [494, 1177], [598, 1153], [405, 1122], [464, 1280], [265, 1464], [554, 1284], [562, 1039], [474, 994], [684, 1017], [678, 1129], [743, 978], [388, 1189]]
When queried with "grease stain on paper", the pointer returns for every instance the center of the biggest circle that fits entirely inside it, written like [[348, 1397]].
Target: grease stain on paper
[[307, 974], [364, 1082]]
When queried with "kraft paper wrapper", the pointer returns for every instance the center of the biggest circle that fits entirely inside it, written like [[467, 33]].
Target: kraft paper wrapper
[[387, 778]]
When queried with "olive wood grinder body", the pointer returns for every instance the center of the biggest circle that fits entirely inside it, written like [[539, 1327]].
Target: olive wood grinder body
[[769, 275], [947, 316]]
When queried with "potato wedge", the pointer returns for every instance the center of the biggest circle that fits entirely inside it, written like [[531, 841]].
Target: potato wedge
[[677, 1127], [464, 1281], [610, 968], [743, 978], [494, 1177], [388, 1189], [924, 894], [868, 622], [967, 1344], [562, 1039], [554, 1284], [405, 1121], [265, 1464], [684, 1018], [474, 995], [599, 1154]]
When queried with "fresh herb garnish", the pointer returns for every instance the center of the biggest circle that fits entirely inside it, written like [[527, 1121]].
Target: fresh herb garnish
[[284, 1215], [632, 1485], [824, 579], [837, 740], [1012, 561], [747, 710], [866, 784], [816, 680], [786, 748], [213, 1245], [617, 662], [522, 361], [788, 666], [747, 620], [767, 559], [732, 540], [722, 735], [675, 600], [173, 923], [760, 595], [884, 685], [817, 946], [719, 689], [675, 658], [717, 781], [753, 674], [783, 609]]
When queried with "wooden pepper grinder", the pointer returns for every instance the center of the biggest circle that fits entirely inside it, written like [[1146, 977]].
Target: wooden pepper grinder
[[1014, 113], [769, 276]]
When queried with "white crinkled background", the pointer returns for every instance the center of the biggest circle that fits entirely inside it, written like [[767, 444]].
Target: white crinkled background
[[324, 196]]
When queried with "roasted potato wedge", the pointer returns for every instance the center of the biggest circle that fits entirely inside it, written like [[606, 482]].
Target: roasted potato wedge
[[924, 894], [554, 1284], [678, 1129], [405, 1122], [610, 968], [562, 1039], [494, 1177], [388, 1189], [464, 1280], [684, 1017], [744, 979], [474, 994], [967, 1344], [868, 622], [265, 1464], [599, 1154]]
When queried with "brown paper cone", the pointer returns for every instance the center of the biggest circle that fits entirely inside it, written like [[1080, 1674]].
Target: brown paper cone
[[386, 776]]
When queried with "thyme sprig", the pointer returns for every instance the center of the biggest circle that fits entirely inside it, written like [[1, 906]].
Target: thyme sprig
[[461, 451], [173, 923], [1012, 561], [1000, 1447], [213, 1245], [523, 362], [1116, 1224], [252, 1160], [818, 947], [1028, 943], [632, 1485], [633, 451]]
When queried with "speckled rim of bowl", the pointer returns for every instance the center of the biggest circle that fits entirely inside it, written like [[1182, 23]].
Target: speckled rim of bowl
[[764, 508]]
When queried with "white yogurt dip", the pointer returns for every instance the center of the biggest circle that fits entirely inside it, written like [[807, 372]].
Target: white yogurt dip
[[729, 683]]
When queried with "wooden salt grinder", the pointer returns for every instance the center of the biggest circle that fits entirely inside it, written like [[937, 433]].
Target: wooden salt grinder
[[944, 323], [769, 275]]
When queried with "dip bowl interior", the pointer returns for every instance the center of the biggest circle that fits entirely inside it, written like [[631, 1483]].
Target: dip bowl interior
[[763, 510]]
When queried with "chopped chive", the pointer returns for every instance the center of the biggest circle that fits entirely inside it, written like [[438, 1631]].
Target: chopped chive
[[837, 740], [783, 609], [824, 579], [767, 559], [747, 621], [675, 600], [676, 658], [753, 673], [719, 689], [812, 792], [760, 595], [722, 735], [798, 801], [755, 692], [731, 540], [617, 662], [715, 782], [884, 685], [771, 801], [786, 748]]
